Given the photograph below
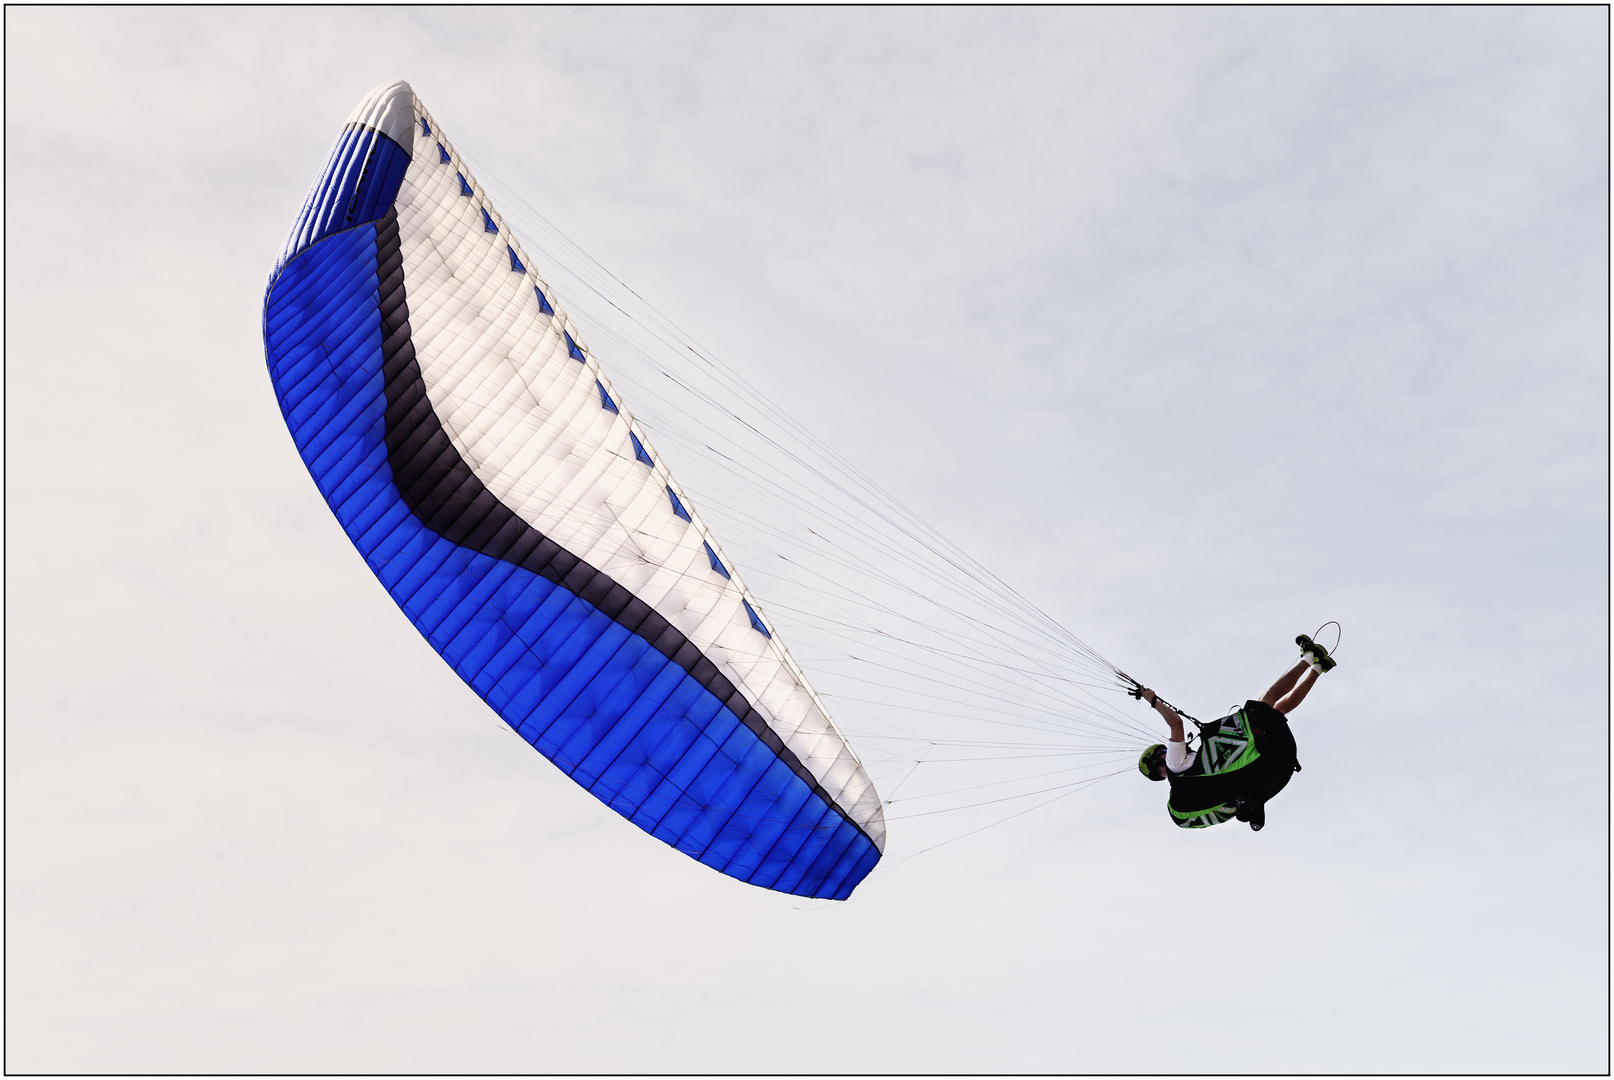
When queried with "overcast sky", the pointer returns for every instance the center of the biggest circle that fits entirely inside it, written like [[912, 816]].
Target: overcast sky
[[1197, 326]]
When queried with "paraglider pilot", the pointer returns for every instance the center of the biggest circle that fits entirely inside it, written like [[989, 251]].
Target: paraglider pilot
[[1243, 760]]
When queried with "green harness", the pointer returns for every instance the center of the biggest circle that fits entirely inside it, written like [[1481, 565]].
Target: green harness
[[1206, 793]]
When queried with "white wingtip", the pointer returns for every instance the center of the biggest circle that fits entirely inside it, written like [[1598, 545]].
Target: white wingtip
[[389, 109]]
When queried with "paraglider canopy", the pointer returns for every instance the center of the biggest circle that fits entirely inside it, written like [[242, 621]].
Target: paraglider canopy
[[498, 485]]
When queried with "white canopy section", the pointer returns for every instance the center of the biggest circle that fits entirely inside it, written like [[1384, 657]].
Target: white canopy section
[[389, 109], [533, 423]]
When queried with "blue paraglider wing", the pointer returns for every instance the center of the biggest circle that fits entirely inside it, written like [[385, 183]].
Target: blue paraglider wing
[[502, 493]]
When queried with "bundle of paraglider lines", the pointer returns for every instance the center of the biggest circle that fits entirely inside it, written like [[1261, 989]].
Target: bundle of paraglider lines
[[527, 522]]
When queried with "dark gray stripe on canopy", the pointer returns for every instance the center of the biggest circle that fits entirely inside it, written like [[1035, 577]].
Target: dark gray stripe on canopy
[[440, 489]]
